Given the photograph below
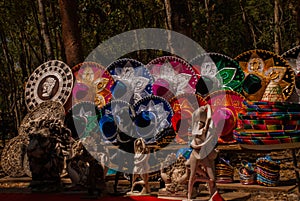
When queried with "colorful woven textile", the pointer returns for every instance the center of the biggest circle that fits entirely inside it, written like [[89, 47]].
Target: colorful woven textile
[[268, 171], [268, 123]]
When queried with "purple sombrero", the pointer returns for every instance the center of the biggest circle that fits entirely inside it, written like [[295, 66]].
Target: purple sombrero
[[183, 106], [172, 76], [132, 80], [269, 76], [92, 83], [217, 71]]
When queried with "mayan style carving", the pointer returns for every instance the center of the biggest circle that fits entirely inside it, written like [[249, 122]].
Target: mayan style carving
[[173, 173], [47, 148]]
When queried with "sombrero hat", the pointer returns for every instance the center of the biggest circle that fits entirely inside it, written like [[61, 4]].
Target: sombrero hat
[[217, 71], [115, 122], [132, 80], [153, 115], [172, 76], [293, 57], [92, 83], [81, 119], [226, 105], [183, 107], [268, 76]]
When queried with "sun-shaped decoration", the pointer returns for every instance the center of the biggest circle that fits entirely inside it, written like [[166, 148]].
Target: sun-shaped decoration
[[268, 76]]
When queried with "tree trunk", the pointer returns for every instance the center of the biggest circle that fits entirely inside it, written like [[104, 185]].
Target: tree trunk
[[207, 31], [277, 27], [70, 32], [168, 14], [298, 23], [248, 23], [169, 24], [44, 30]]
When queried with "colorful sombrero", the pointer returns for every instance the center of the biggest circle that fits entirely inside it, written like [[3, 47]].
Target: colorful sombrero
[[53, 80], [132, 80], [268, 76], [81, 119], [115, 118], [293, 57], [183, 107], [217, 71], [173, 76], [226, 105], [153, 116], [92, 83]]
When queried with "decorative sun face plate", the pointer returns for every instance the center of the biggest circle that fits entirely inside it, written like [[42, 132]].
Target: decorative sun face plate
[[53, 80]]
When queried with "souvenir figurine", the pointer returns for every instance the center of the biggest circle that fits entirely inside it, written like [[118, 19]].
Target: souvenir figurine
[[141, 166], [201, 163]]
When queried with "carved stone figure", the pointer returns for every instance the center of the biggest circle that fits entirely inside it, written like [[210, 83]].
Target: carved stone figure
[[47, 148], [48, 86], [173, 173], [141, 166]]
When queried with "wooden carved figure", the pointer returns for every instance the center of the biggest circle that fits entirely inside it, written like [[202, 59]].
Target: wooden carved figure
[[201, 163]]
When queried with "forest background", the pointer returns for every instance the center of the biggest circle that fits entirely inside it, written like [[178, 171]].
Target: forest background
[[33, 32]]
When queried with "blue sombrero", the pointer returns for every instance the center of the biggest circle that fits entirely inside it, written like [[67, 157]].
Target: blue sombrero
[[152, 116], [132, 80], [115, 118]]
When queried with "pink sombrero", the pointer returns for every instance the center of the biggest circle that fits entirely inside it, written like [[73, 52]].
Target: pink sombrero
[[226, 105], [172, 76], [92, 83]]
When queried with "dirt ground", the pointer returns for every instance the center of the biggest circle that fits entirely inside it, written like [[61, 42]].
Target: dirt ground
[[287, 174]]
